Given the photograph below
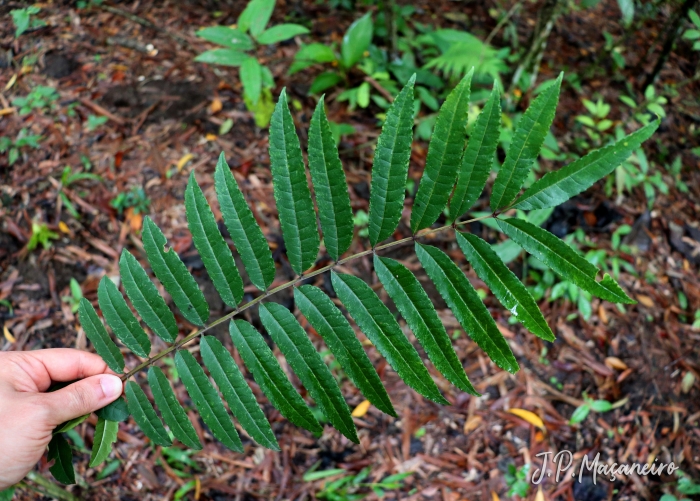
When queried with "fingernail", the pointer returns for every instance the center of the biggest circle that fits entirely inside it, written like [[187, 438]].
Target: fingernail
[[111, 386]]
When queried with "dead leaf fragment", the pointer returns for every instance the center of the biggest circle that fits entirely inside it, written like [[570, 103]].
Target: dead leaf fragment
[[645, 300], [183, 161], [528, 416], [615, 363], [361, 409], [63, 227], [540, 495], [8, 335], [216, 105], [472, 424]]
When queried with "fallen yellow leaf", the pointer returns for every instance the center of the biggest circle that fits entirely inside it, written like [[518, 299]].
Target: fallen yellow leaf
[[135, 219], [494, 496], [361, 409], [540, 495], [528, 416], [472, 423], [8, 335], [63, 227], [186, 158], [197, 488], [645, 300], [210, 137], [615, 363], [11, 82], [216, 105], [7, 111]]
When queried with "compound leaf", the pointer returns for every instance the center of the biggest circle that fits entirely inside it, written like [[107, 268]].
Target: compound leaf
[[563, 259], [464, 302], [244, 229], [145, 416], [207, 400], [105, 436], [415, 306], [291, 190], [390, 167], [525, 146], [146, 299], [236, 391], [558, 186], [380, 326], [330, 185], [98, 336], [215, 254], [444, 153], [478, 157], [120, 318], [504, 284], [171, 410], [308, 365], [173, 274], [340, 338], [266, 370]]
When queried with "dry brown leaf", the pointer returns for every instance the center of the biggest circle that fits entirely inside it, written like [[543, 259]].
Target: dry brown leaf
[[472, 424], [216, 105], [615, 363], [645, 300]]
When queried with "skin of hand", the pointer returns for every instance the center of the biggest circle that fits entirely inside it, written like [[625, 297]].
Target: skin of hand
[[28, 415]]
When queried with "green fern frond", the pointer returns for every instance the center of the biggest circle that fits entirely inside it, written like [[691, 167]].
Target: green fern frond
[[451, 168]]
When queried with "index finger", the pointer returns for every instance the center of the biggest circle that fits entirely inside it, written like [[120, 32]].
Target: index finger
[[62, 364]]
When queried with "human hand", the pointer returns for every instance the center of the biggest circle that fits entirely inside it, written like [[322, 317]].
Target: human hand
[[28, 415]]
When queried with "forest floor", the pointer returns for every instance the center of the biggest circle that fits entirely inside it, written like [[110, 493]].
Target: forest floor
[[164, 112]]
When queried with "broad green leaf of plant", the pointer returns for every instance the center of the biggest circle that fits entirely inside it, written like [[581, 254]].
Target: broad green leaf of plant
[[504, 284], [380, 327], [311, 54], [324, 81], [564, 260], [444, 153], [236, 391], [224, 57], [69, 425], [466, 305], [255, 16], [173, 274], [308, 365], [120, 318], [116, 411], [356, 40], [390, 167], [146, 299], [478, 157], [415, 306], [207, 400], [105, 436], [291, 190], [98, 336], [340, 338], [244, 229], [330, 186], [558, 186], [171, 410], [212, 247], [228, 37], [251, 79], [525, 146], [61, 453], [281, 32], [145, 416], [266, 370]]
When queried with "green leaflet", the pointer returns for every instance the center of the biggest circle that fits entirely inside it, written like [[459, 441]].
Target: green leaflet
[[244, 229], [207, 400], [560, 185], [464, 302], [266, 370], [415, 306], [69, 425], [251, 78], [504, 284], [478, 157], [215, 254], [329, 185], [171, 410], [390, 167], [60, 450], [563, 259], [525, 146], [340, 337], [116, 411], [380, 326], [120, 319], [173, 274], [105, 436], [291, 190], [444, 153], [145, 416], [146, 299], [236, 391], [97, 334], [255, 16], [308, 365]]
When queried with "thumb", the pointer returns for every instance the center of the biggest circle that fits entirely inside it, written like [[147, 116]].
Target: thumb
[[82, 397]]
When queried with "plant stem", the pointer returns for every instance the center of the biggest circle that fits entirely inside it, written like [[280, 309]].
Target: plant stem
[[179, 344]]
